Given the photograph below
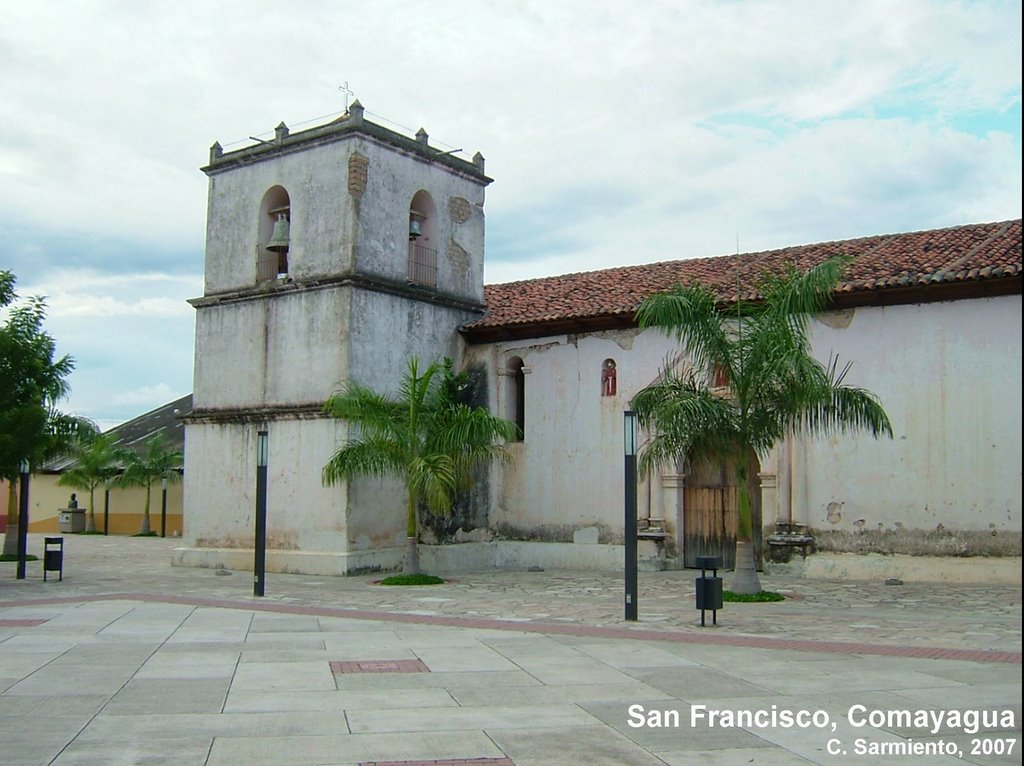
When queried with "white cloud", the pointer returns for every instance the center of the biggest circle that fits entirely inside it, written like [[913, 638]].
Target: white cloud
[[615, 134], [147, 397]]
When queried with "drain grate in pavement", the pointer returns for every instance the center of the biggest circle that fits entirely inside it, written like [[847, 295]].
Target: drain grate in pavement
[[20, 623], [382, 666], [445, 762]]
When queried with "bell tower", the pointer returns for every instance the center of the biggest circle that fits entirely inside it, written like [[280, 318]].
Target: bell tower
[[333, 253]]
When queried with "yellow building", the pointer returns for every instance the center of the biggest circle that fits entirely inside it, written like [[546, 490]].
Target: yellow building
[[117, 510]]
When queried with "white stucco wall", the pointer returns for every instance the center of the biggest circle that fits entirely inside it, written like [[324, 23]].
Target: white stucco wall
[[321, 216], [280, 347], [286, 349], [568, 471], [948, 374], [220, 495], [382, 234]]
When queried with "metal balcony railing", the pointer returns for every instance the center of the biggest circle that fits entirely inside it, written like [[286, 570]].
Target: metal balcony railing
[[422, 265], [270, 265]]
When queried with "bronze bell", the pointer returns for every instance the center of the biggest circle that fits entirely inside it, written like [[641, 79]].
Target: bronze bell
[[279, 239]]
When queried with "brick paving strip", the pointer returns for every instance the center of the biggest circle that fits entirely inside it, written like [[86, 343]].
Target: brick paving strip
[[20, 623], [445, 762], [378, 666], [709, 636]]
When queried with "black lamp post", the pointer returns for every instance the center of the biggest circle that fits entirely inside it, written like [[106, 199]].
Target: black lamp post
[[260, 561], [23, 520], [629, 529], [106, 505], [163, 507]]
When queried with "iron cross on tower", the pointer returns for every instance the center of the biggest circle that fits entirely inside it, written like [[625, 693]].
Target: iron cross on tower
[[344, 89]]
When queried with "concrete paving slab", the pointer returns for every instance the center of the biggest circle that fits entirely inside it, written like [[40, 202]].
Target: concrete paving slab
[[633, 655], [346, 750], [487, 680], [697, 683], [108, 652], [761, 756], [285, 655], [169, 696], [551, 695], [163, 751], [463, 659], [590, 745], [467, 718], [665, 733], [568, 671], [206, 667], [283, 676], [139, 728], [281, 623], [337, 700], [70, 679], [198, 664], [41, 707], [35, 745]]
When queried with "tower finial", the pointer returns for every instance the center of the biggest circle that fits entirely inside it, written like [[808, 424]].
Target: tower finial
[[344, 89]]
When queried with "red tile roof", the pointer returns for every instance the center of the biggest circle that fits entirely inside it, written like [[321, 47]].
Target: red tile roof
[[884, 268]]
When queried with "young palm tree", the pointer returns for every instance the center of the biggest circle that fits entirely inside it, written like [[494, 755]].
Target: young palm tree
[[96, 460], [773, 386], [156, 463], [425, 435]]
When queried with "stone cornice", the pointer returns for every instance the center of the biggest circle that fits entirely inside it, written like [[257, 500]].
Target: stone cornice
[[275, 288]]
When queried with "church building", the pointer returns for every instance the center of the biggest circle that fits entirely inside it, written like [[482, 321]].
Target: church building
[[339, 252]]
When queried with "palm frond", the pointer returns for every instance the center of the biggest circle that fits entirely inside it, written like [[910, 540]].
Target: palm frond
[[690, 315], [375, 456]]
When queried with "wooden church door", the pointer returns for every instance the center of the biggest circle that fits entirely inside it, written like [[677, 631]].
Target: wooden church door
[[710, 503]]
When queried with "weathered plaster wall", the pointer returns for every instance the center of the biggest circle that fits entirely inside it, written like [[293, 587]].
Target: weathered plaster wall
[[567, 472], [268, 354], [285, 349], [949, 375], [382, 223], [387, 330], [321, 216], [220, 496]]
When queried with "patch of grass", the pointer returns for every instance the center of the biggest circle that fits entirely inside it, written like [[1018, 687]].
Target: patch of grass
[[145, 534], [412, 579], [763, 596], [14, 557], [94, 532]]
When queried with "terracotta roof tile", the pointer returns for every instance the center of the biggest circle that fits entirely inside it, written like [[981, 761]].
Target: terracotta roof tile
[[975, 252]]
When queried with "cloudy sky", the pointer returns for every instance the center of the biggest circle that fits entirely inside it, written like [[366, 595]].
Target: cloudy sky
[[617, 133]]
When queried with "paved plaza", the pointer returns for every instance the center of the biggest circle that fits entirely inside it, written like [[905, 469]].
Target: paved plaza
[[131, 661]]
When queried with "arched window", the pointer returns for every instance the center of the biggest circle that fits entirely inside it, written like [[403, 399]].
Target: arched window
[[274, 235], [608, 381], [423, 240], [516, 407]]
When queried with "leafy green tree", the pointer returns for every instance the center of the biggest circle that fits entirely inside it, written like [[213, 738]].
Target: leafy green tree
[[155, 463], [32, 381], [773, 386], [425, 435], [97, 459]]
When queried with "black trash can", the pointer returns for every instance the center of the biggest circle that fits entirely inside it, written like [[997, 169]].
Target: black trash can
[[709, 589], [53, 556]]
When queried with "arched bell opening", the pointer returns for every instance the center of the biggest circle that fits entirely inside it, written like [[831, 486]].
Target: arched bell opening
[[274, 243]]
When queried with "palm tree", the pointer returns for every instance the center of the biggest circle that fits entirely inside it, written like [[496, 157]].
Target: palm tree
[[32, 381], [768, 384], [96, 460], [425, 435], [157, 462]]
